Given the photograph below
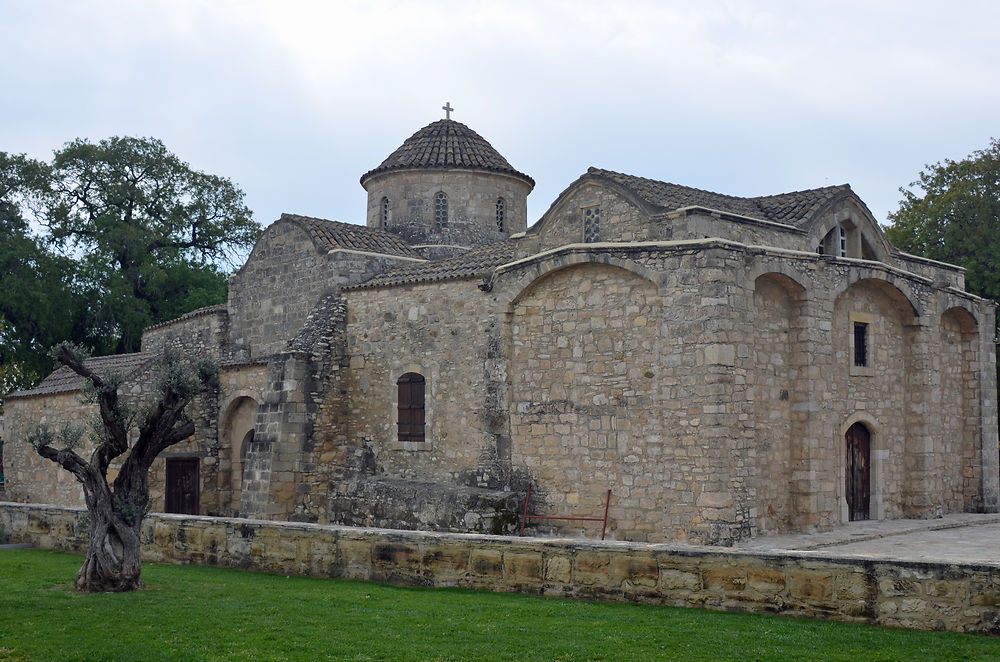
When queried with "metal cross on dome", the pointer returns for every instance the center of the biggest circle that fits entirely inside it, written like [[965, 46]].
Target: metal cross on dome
[[447, 110]]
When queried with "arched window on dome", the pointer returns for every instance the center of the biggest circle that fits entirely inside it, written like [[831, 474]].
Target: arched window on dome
[[384, 212], [440, 211], [501, 215]]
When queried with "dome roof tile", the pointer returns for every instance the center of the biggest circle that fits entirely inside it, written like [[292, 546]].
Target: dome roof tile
[[446, 144]]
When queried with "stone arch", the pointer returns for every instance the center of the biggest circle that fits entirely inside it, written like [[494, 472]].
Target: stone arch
[[879, 355], [514, 283], [866, 239], [584, 395], [238, 419], [896, 289], [777, 357], [959, 411]]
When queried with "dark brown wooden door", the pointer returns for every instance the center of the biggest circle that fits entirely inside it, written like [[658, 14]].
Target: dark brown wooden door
[[182, 486], [858, 472]]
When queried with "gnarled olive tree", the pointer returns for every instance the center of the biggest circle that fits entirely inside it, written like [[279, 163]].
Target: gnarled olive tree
[[116, 510]]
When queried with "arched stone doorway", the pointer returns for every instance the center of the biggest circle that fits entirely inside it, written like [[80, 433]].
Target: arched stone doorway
[[857, 473], [236, 432]]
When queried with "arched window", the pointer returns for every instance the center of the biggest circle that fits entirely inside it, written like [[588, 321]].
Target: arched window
[[410, 412], [440, 211], [501, 220], [384, 211]]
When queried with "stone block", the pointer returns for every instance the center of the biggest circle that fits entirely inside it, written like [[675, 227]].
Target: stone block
[[592, 568], [558, 569], [522, 568], [446, 561], [486, 563], [673, 579], [635, 570], [810, 585], [766, 581], [724, 579]]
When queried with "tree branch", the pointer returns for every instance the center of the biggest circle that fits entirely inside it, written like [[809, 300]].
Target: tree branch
[[68, 460]]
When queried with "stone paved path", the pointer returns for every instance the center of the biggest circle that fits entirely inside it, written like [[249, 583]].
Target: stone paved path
[[959, 538]]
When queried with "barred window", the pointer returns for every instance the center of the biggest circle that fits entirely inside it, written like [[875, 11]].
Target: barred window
[[592, 224], [440, 211], [501, 224], [410, 411], [384, 214], [860, 344]]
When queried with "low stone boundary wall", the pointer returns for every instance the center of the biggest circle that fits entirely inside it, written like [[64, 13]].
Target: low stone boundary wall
[[923, 595]]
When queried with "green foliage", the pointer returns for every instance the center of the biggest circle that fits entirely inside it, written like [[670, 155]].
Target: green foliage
[[177, 375], [68, 436], [151, 231], [203, 613], [38, 305], [105, 240], [954, 216]]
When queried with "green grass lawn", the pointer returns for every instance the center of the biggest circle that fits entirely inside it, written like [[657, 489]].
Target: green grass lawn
[[200, 613]]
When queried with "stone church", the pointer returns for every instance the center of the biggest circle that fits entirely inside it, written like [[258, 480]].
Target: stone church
[[706, 367]]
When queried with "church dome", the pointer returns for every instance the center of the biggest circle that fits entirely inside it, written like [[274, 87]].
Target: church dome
[[444, 145]]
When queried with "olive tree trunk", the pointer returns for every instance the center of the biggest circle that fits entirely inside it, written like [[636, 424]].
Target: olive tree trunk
[[114, 555]]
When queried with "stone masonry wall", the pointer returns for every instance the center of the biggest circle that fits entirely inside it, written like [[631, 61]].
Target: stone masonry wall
[[271, 296], [31, 477], [922, 595], [472, 198], [201, 333], [590, 401], [620, 220], [708, 386], [441, 331]]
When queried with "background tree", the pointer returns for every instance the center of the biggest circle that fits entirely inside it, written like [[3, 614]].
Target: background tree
[[952, 213], [114, 561], [108, 239], [38, 302], [956, 219], [150, 235]]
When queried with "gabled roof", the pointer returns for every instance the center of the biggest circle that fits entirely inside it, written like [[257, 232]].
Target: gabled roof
[[471, 264], [64, 380], [330, 235], [446, 144], [788, 208]]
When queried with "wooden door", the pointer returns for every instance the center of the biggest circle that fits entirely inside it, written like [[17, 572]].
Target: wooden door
[[858, 472], [182, 486]]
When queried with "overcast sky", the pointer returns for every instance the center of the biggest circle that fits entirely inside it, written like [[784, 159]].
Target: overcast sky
[[295, 100]]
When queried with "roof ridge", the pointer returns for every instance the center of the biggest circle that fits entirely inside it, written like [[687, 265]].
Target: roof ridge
[[780, 207], [604, 171], [331, 233]]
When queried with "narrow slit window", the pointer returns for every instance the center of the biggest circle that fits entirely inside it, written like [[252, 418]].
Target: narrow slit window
[[501, 219], [843, 242], [440, 211], [384, 212], [410, 412], [860, 344], [592, 225]]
